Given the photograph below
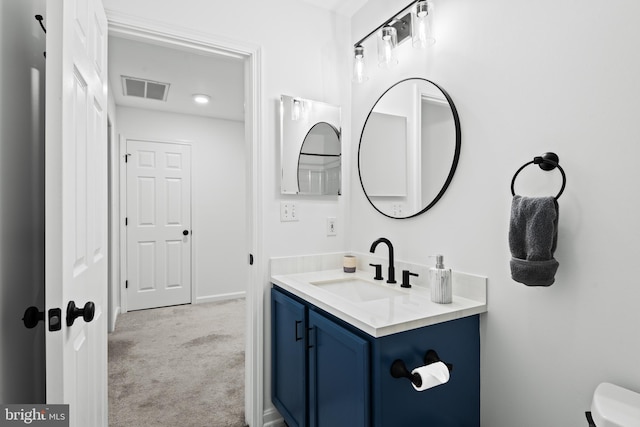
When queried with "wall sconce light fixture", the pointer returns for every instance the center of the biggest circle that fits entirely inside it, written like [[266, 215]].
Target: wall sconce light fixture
[[413, 21], [387, 42], [420, 24]]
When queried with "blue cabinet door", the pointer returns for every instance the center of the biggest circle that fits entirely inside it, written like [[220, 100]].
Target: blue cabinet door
[[288, 358], [339, 372]]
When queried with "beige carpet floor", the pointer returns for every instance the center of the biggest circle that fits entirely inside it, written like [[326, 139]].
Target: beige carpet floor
[[178, 366]]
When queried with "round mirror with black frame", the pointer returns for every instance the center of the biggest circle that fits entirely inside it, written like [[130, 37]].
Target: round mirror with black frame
[[320, 161], [409, 148]]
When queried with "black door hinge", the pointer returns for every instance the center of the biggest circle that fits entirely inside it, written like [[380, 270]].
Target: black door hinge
[[250, 259], [126, 284], [126, 221]]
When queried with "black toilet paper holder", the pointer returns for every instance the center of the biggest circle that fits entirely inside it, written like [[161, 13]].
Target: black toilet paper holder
[[399, 369]]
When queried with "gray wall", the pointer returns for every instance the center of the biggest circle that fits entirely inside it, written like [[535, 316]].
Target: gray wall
[[22, 65]]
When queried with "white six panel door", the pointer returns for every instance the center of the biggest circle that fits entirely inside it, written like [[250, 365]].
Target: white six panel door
[[158, 224], [76, 207]]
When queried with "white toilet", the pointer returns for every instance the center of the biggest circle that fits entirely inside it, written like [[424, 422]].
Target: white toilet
[[614, 406]]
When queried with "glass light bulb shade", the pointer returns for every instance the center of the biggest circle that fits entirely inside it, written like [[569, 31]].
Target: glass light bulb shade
[[388, 33], [359, 65], [358, 71], [387, 42], [421, 20]]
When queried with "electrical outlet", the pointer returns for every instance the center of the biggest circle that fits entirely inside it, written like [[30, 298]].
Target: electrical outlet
[[288, 212], [331, 226], [397, 209]]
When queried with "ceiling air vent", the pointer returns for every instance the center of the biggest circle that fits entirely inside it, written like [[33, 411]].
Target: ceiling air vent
[[142, 88]]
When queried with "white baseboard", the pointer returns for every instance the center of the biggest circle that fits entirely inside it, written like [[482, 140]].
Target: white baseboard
[[220, 297], [272, 418]]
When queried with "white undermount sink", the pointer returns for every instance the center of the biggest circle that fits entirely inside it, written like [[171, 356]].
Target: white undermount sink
[[357, 290]]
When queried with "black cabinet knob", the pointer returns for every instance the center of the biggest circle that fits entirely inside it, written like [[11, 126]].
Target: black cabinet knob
[[185, 233], [73, 312]]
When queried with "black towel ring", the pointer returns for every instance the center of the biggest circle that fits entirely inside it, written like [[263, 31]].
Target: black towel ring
[[547, 162]]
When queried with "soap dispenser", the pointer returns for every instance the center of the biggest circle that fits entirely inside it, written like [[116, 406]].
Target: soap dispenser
[[440, 282]]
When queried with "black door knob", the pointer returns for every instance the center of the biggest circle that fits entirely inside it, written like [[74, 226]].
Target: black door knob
[[32, 316], [74, 312], [185, 233]]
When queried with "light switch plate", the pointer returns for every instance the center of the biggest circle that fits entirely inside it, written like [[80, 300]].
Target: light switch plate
[[331, 226], [288, 212]]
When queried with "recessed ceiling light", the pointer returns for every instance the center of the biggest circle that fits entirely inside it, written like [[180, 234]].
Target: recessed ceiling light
[[201, 99]]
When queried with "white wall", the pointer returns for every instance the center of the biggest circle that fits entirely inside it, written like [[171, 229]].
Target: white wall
[[529, 78], [306, 56], [21, 199], [218, 175]]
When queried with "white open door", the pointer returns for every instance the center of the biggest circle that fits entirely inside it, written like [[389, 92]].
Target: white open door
[[76, 209]]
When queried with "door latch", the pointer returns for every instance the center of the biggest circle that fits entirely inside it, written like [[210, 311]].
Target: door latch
[[55, 319], [33, 316]]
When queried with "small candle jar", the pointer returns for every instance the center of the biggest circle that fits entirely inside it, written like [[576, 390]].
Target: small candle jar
[[349, 264]]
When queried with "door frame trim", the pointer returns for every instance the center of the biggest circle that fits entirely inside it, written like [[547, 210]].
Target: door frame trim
[[123, 25]]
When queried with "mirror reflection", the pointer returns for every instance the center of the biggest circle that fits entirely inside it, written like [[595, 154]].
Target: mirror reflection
[[311, 152], [409, 148], [320, 163]]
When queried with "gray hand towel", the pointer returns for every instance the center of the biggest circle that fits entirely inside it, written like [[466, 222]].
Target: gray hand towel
[[533, 235]]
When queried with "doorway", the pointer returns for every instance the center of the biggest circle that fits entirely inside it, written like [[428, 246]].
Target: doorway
[[250, 56]]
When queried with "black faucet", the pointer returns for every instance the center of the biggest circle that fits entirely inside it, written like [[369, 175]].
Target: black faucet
[[392, 269]]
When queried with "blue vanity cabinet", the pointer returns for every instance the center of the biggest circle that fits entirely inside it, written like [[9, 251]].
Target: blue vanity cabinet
[[339, 375], [289, 358], [320, 370], [327, 373]]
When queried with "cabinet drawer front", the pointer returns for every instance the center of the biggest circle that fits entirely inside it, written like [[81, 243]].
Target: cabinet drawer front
[[339, 386], [288, 358]]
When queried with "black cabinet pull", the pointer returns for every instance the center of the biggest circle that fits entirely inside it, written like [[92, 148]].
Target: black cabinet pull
[[309, 330], [296, 330]]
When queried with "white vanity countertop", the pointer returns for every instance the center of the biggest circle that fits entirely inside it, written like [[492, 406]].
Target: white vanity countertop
[[408, 309]]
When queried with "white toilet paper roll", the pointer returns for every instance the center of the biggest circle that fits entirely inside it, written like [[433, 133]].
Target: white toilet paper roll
[[432, 375]]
